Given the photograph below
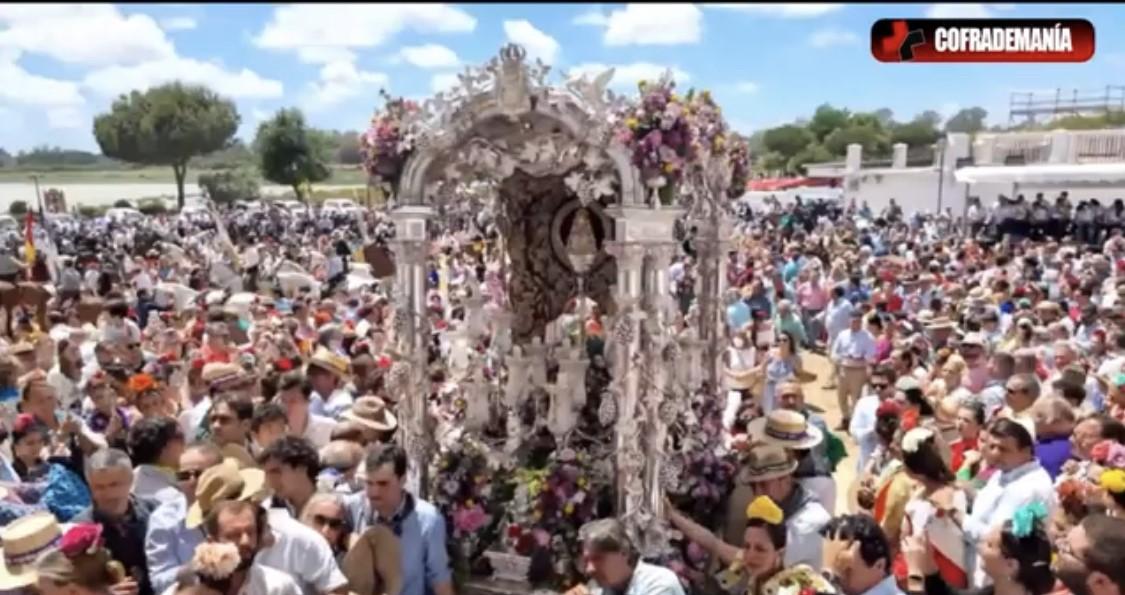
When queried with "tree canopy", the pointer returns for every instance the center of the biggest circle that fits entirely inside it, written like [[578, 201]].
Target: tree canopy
[[167, 125], [290, 153]]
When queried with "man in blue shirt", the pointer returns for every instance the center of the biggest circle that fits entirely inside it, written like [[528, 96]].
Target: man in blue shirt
[[419, 526]]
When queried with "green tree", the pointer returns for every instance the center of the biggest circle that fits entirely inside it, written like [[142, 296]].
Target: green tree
[[167, 125], [885, 115], [152, 206], [18, 208], [810, 154], [122, 204], [227, 186], [290, 153], [787, 140], [348, 149], [874, 141], [827, 119], [919, 133], [967, 120]]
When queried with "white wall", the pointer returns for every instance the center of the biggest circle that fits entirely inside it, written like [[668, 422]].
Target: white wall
[[914, 189]]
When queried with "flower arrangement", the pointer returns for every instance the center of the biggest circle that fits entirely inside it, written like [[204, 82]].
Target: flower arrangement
[[798, 580], [1109, 454], [701, 474], [550, 506], [389, 141], [659, 132], [467, 485]]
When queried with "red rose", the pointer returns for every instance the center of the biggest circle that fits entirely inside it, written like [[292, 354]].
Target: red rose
[[514, 531], [81, 539]]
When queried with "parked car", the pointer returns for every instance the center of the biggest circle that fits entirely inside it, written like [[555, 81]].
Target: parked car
[[344, 206], [122, 214]]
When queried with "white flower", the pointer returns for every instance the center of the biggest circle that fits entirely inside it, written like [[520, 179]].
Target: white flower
[[913, 439]]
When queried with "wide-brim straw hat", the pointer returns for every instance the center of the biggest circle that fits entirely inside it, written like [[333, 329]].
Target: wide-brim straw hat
[[785, 428], [940, 323], [221, 483], [24, 541], [371, 412], [332, 363], [765, 462]]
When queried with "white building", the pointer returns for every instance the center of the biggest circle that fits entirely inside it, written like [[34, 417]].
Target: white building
[[1086, 163]]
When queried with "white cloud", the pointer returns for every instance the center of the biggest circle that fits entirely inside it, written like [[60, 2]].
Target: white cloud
[[351, 26], [443, 81], [428, 56], [537, 43], [88, 34], [260, 115], [948, 109], [178, 23], [592, 18], [626, 76], [315, 54], [339, 82], [18, 86], [654, 24], [782, 10], [746, 87], [958, 11], [243, 84], [66, 118], [830, 37]]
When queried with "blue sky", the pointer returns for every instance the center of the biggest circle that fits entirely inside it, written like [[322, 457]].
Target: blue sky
[[767, 64]]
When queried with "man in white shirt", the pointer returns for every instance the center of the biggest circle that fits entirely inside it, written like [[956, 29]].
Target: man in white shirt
[[1020, 481], [837, 317], [852, 352], [862, 427], [295, 392], [614, 565]]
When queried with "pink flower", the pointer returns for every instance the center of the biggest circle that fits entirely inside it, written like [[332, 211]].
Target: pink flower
[[83, 538], [470, 520]]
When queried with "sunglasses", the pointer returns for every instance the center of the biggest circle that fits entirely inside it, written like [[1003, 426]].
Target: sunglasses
[[188, 474], [333, 523], [879, 386]]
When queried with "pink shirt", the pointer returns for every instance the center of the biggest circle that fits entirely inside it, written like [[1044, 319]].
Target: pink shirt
[[812, 296]]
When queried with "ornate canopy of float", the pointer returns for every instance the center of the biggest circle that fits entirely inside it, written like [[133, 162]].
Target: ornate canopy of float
[[583, 220]]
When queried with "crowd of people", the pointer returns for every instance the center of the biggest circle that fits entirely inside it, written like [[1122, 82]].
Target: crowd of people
[[163, 434]]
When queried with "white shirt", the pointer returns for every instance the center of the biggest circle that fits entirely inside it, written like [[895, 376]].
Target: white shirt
[[1000, 498], [862, 427], [318, 430], [805, 543], [838, 317], [854, 345], [304, 554]]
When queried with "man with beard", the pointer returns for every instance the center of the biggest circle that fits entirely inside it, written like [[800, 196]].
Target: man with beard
[[243, 524], [1090, 557]]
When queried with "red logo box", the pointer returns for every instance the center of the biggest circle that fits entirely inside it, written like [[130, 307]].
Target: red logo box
[[982, 40]]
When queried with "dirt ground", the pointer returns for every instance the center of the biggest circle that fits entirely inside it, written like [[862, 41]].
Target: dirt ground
[[815, 394]]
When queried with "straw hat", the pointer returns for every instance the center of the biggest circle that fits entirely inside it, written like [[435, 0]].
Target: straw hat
[[785, 428], [940, 323], [371, 412], [217, 374], [221, 483], [765, 462], [334, 364], [25, 540]]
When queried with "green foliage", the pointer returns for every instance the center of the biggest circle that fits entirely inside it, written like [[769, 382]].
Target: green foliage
[[827, 119], [122, 204], [227, 186], [152, 206], [167, 125], [290, 153], [45, 157], [787, 140], [18, 208], [921, 132], [1107, 120], [874, 140], [810, 154], [969, 120]]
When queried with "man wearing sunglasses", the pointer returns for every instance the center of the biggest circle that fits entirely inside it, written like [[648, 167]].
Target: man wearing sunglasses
[[169, 544], [881, 387]]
